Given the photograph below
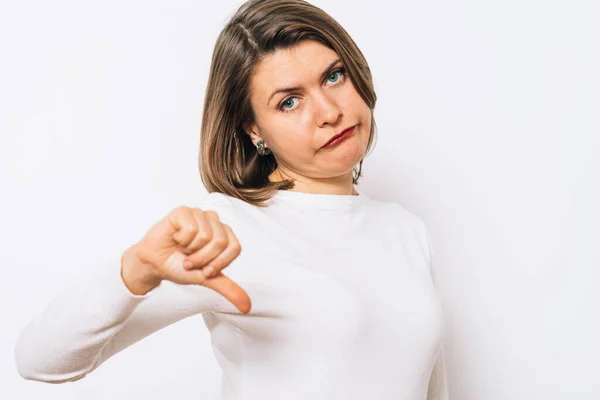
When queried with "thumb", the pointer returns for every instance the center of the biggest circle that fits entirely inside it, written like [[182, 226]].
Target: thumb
[[219, 283], [230, 290]]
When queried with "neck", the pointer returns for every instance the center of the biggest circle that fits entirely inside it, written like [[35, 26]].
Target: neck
[[337, 185]]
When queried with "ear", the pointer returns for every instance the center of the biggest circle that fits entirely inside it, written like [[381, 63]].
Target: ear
[[252, 131]]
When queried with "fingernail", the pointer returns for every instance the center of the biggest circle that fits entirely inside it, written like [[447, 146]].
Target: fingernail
[[208, 271], [188, 264]]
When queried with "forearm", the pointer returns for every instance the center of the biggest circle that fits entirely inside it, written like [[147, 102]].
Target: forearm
[[63, 340]]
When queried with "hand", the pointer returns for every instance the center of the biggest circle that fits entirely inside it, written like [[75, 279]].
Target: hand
[[185, 245]]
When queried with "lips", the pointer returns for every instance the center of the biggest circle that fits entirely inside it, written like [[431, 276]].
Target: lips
[[338, 135]]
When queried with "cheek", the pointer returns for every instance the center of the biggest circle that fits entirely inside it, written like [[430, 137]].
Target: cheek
[[359, 111], [352, 154], [362, 106], [280, 131], [296, 131], [356, 103], [291, 137]]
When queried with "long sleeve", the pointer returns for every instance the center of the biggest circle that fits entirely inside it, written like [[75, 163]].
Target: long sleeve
[[438, 382], [90, 321]]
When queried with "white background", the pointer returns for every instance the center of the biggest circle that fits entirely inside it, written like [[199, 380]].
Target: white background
[[488, 130]]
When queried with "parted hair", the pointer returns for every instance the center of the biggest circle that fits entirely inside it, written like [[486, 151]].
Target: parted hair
[[228, 160]]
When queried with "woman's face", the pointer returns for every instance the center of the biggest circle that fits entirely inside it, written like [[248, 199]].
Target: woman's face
[[296, 123]]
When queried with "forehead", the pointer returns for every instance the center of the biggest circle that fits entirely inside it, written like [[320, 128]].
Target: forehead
[[292, 66]]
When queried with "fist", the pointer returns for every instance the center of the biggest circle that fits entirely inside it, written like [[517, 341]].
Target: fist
[[192, 246]]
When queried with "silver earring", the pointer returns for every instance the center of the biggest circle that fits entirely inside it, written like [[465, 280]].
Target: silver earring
[[260, 146]]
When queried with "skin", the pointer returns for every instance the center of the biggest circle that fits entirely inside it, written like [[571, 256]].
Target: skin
[[309, 117], [321, 108]]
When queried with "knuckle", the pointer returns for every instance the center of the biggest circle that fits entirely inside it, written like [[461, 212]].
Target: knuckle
[[204, 236], [236, 248], [179, 209], [197, 211], [211, 213], [220, 242], [191, 229]]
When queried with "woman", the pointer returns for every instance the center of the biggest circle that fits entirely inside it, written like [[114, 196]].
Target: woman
[[328, 294]]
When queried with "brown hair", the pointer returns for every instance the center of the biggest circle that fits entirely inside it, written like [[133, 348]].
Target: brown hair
[[228, 161]]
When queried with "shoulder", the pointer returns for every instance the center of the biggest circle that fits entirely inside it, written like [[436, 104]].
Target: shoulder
[[218, 202], [399, 214], [410, 224], [214, 199], [229, 208]]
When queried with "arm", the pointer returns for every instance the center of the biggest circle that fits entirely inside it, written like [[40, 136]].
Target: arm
[[438, 381], [89, 322]]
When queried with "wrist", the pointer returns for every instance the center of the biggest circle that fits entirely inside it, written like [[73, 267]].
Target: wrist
[[137, 276]]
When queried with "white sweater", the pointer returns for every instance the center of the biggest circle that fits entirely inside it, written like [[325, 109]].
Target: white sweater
[[343, 306]]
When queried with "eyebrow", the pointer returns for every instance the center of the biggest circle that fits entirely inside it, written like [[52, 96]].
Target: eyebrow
[[293, 89]]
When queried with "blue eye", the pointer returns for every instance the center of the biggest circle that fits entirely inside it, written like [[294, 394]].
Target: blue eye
[[282, 105], [340, 71], [287, 101]]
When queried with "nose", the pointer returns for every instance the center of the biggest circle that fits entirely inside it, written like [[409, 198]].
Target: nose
[[327, 110]]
